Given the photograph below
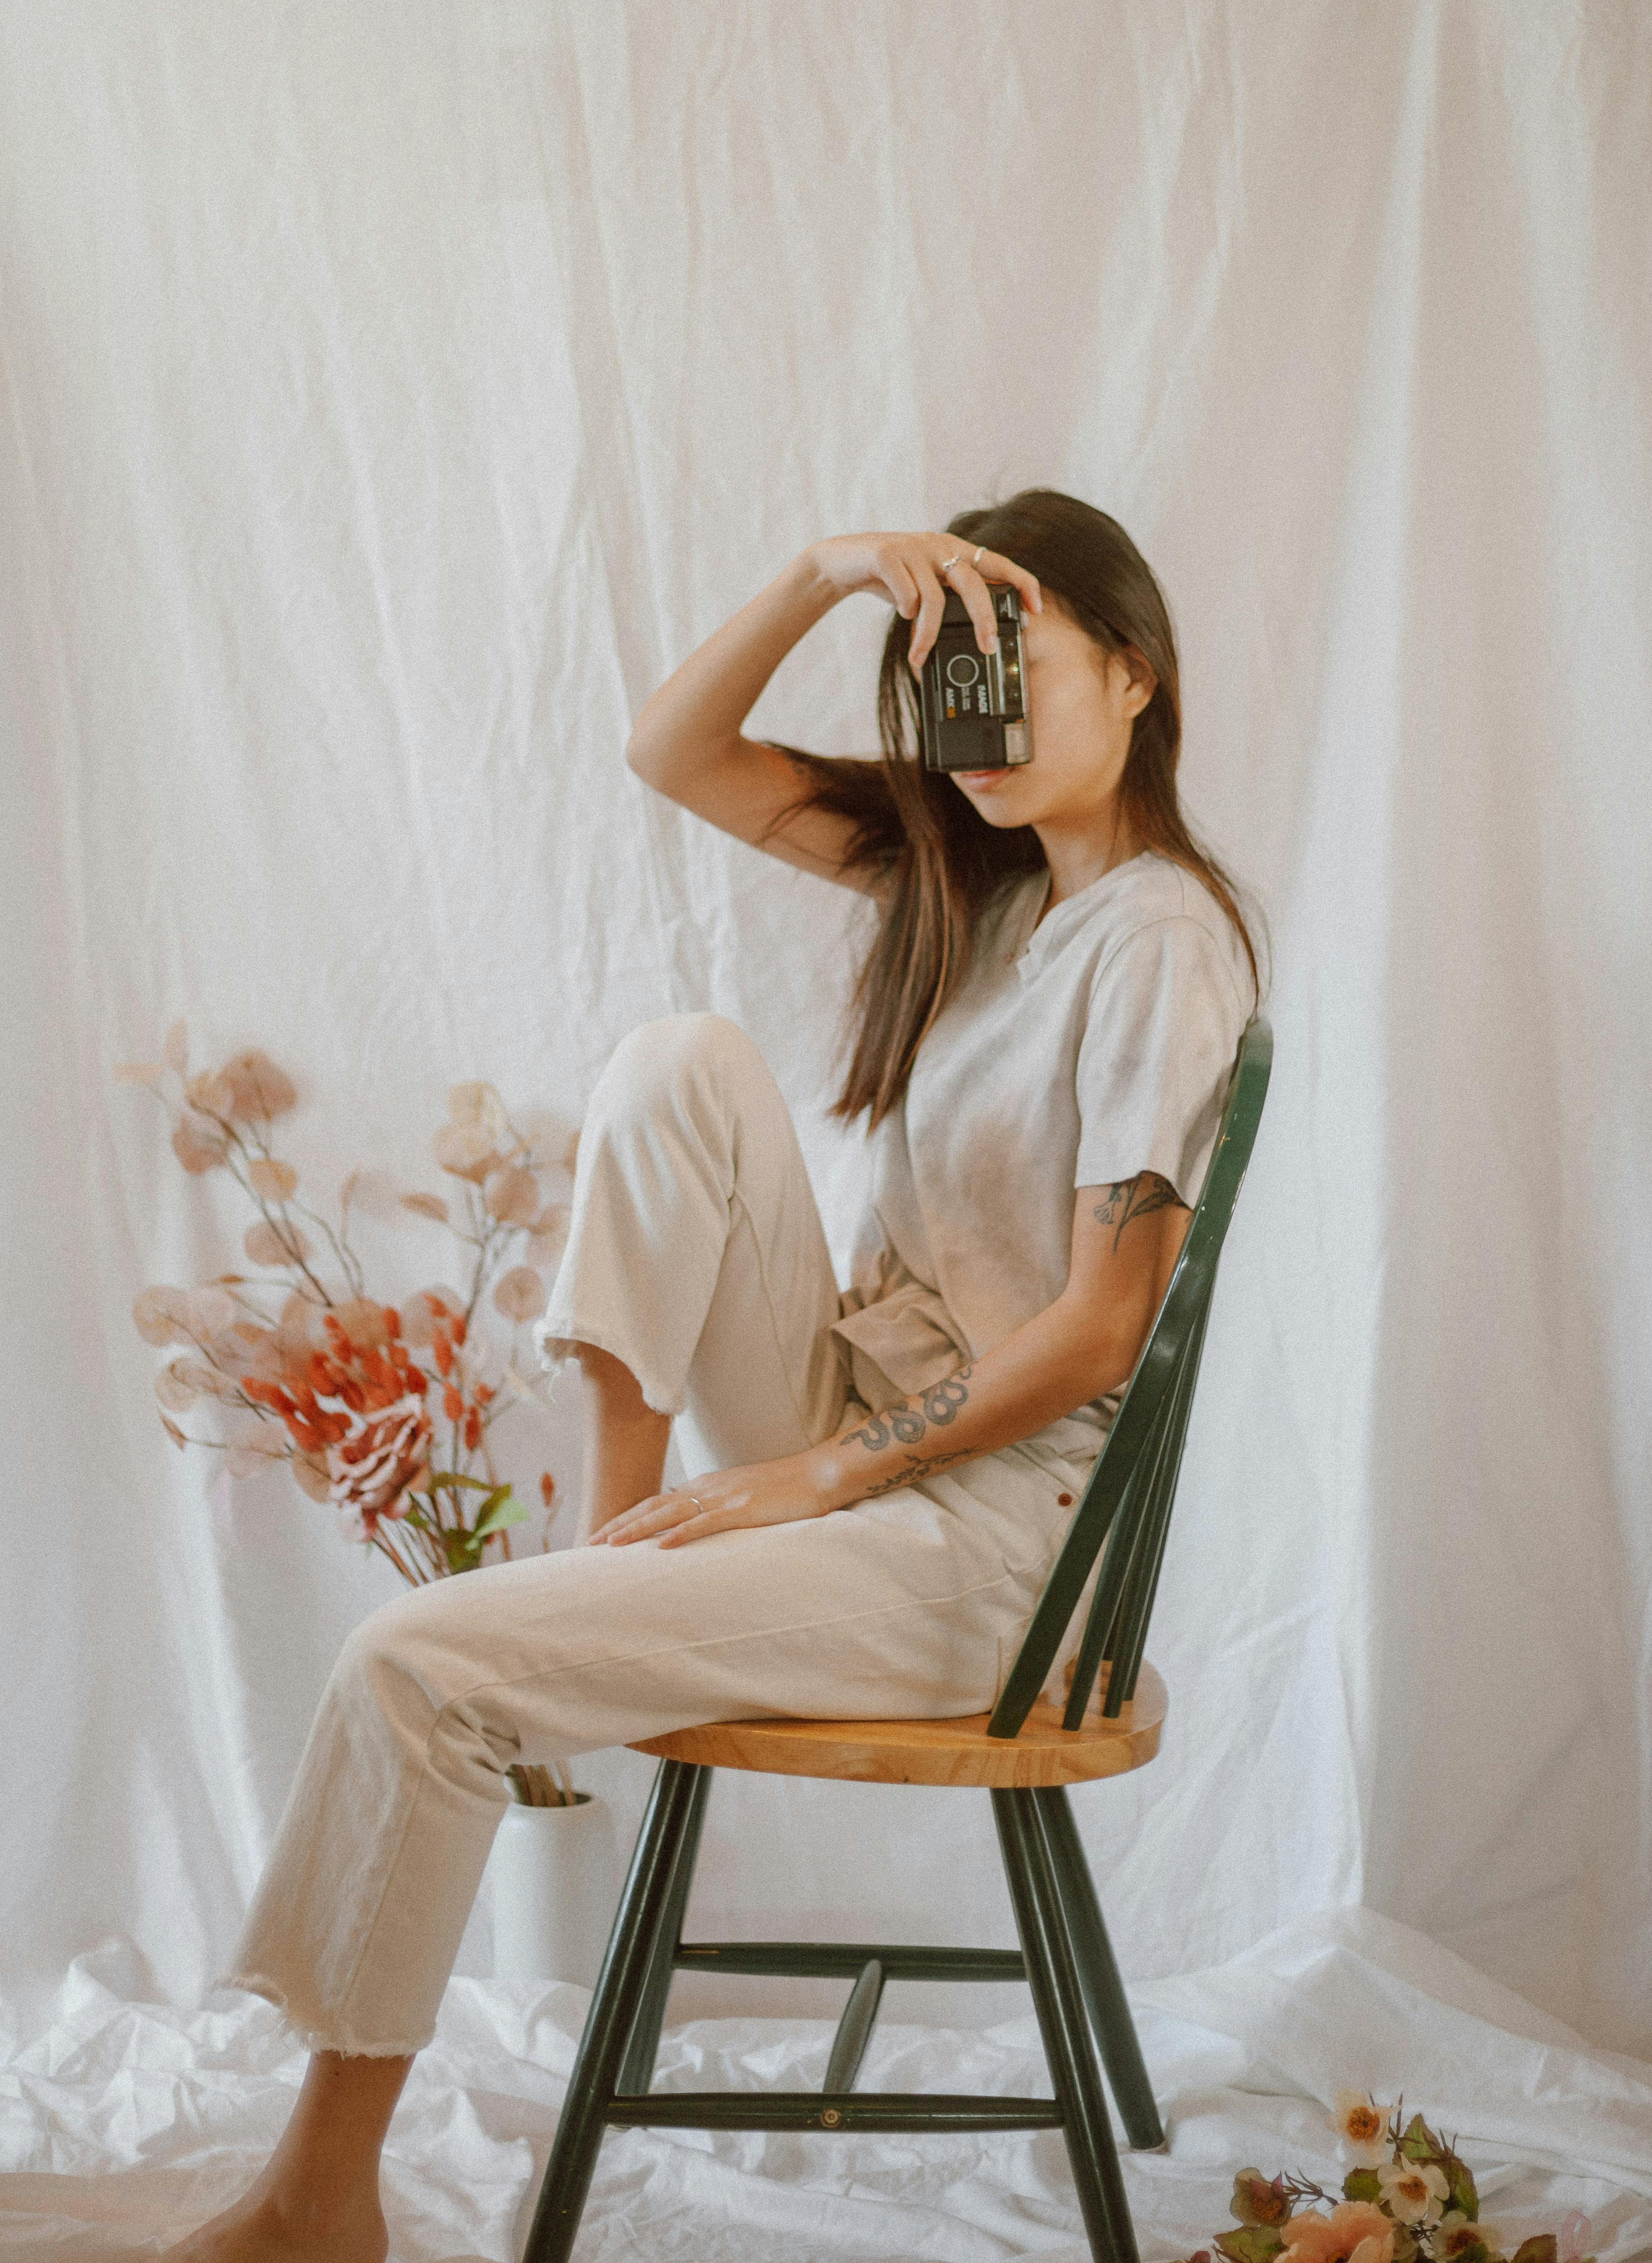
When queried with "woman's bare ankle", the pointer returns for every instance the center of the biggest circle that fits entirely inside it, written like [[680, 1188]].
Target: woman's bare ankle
[[265, 2226]]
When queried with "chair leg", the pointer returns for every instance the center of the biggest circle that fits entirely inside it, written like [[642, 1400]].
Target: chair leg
[[637, 2069], [1052, 1974], [638, 1923], [1098, 1974]]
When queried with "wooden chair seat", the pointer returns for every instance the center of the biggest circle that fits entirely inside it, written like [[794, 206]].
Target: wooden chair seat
[[956, 1752]]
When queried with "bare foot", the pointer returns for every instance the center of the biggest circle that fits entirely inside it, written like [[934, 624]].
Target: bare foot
[[258, 2229]]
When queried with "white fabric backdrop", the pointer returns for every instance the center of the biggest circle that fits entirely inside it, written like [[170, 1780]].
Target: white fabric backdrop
[[392, 395]]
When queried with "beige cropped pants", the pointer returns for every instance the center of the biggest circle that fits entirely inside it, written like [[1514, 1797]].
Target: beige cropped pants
[[695, 1254]]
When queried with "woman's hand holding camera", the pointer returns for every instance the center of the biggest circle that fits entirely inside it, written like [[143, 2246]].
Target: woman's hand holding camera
[[914, 572]]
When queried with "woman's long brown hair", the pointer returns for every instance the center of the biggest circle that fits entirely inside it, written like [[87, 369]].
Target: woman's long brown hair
[[938, 861]]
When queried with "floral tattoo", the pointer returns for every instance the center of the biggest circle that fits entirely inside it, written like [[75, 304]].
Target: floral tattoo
[[1129, 1198]]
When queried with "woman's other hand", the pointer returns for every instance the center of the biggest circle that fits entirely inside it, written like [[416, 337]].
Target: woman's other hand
[[906, 568], [762, 1493]]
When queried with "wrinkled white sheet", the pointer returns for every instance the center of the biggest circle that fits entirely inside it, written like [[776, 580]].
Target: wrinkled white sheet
[[1245, 2058]]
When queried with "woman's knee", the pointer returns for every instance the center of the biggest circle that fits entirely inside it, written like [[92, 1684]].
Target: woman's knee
[[680, 1052], [390, 1663]]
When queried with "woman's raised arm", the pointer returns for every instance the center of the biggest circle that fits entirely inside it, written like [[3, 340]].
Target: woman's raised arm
[[688, 744]]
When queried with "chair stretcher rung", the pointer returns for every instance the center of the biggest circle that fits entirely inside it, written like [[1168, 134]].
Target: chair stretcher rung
[[834, 2112], [833, 1960]]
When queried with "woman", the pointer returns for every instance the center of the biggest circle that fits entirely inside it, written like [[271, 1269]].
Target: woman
[[1045, 1024]]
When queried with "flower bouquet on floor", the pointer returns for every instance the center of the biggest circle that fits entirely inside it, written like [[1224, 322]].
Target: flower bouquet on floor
[[382, 1410], [1407, 2198]]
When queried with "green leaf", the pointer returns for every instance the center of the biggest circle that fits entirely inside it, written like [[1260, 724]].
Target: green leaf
[[1252, 2243], [1461, 2187], [498, 1511], [1362, 2184], [1419, 2143], [452, 1479], [1542, 2247]]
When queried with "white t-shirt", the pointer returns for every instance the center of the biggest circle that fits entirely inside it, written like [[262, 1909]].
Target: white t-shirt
[[1083, 1047]]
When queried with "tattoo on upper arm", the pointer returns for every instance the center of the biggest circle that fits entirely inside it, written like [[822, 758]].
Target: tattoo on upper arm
[[1129, 1198], [907, 1422]]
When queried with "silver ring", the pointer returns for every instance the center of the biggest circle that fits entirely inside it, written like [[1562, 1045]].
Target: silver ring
[[695, 1499], [950, 563], [977, 559]]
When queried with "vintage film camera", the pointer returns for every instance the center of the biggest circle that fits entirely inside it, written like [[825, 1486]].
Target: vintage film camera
[[973, 702]]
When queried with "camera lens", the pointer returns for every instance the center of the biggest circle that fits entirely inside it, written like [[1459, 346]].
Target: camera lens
[[962, 669]]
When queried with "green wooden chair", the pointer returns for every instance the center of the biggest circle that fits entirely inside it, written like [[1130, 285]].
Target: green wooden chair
[[1026, 1753]]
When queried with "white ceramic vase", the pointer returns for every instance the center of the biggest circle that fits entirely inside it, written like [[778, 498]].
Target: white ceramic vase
[[556, 1881]]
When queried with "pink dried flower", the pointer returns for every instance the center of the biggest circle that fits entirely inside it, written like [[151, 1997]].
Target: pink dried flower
[[161, 1315], [382, 1459], [520, 1294], [512, 1194], [274, 1180], [267, 1246], [1355, 2231], [200, 1146]]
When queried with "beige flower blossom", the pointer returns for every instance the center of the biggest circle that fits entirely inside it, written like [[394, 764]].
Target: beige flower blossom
[[1413, 2191], [512, 1194], [311, 1475], [173, 1388], [161, 1315], [200, 1146], [467, 1150], [362, 1322], [251, 1086], [265, 1246], [425, 1205], [209, 1308], [520, 1294], [1362, 2126], [373, 1193], [274, 1180], [479, 1105], [425, 1311]]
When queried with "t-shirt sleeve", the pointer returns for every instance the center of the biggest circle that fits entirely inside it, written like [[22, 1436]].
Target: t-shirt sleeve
[[1163, 1022]]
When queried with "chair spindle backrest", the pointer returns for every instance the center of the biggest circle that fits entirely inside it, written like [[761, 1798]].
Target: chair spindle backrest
[[1124, 1511]]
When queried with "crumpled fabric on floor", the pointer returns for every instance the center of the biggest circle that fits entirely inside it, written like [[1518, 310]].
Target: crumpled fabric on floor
[[1245, 2057]]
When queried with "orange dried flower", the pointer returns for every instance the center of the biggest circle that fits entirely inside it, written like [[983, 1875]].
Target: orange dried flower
[[452, 1404], [473, 1430], [547, 1486], [441, 1352]]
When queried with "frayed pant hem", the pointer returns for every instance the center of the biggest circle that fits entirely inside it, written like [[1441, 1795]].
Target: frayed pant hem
[[314, 2039]]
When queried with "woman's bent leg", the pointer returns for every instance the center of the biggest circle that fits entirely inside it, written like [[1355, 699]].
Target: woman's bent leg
[[696, 1255]]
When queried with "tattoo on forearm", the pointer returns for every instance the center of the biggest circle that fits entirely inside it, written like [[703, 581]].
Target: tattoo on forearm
[[908, 1422], [919, 1465], [1129, 1198]]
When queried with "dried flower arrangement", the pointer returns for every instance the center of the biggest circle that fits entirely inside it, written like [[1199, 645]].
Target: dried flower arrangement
[[335, 1381], [1409, 2198]]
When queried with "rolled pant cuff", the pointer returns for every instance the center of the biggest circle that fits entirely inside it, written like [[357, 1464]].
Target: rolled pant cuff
[[329, 2038]]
